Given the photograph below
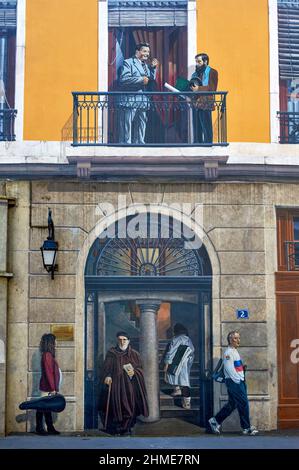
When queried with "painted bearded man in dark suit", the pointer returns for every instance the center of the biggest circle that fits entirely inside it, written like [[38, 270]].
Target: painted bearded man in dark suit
[[122, 371], [136, 76], [203, 79]]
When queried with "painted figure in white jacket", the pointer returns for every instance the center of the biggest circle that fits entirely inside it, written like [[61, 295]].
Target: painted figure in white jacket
[[178, 361]]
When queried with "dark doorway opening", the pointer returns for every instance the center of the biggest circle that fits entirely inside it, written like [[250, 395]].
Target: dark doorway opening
[[105, 318], [169, 46]]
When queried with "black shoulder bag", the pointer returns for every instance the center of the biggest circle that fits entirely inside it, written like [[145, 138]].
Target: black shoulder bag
[[218, 373]]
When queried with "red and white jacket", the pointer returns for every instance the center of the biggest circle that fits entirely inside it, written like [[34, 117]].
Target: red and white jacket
[[233, 365]]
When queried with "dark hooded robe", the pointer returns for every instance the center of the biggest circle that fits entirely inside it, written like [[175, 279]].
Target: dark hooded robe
[[128, 397]]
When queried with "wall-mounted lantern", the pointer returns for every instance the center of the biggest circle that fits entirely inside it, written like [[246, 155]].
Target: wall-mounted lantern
[[50, 248]]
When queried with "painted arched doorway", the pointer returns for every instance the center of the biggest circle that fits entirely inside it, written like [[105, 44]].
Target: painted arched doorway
[[143, 283]]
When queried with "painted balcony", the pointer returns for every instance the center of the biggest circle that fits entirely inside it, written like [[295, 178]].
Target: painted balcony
[[148, 119], [292, 255], [289, 127], [7, 121]]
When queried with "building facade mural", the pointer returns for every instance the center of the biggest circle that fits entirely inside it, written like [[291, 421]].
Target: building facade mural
[[151, 233]]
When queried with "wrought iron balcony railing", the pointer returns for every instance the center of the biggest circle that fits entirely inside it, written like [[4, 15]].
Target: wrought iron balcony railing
[[289, 127], [151, 119], [292, 255], [7, 121]]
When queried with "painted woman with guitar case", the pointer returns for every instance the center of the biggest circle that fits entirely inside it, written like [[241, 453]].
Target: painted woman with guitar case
[[50, 381]]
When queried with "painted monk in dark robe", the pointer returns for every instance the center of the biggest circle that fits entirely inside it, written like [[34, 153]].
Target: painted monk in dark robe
[[123, 370]]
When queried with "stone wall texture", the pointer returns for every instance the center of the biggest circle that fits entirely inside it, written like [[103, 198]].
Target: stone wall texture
[[239, 222]]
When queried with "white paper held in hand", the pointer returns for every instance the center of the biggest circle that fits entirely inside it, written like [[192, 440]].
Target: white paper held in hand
[[175, 90]]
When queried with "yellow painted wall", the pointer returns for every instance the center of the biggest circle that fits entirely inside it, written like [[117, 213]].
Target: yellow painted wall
[[234, 33], [61, 57], [62, 49]]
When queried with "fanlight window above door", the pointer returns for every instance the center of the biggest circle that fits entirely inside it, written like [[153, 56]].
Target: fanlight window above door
[[146, 256]]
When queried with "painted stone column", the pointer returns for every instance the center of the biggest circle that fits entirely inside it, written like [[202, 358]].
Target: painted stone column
[[101, 331], [4, 276], [149, 351]]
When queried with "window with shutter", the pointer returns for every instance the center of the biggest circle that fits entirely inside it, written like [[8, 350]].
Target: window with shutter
[[288, 239], [8, 21], [288, 38], [288, 43]]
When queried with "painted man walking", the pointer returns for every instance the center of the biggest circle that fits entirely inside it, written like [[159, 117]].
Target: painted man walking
[[236, 388]]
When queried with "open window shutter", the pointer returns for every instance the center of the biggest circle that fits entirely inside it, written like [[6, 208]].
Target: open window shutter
[[8, 14], [288, 39], [144, 13], [282, 236], [8, 23]]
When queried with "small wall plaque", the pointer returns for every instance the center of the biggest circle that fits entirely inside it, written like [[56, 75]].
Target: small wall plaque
[[242, 313], [63, 332]]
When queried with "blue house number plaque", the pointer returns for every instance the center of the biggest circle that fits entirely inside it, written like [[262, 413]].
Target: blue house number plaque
[[242, 313]]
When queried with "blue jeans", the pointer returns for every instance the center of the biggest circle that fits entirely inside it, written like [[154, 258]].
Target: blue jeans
[[237, 398]]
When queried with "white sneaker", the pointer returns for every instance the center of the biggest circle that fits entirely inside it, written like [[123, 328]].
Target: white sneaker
[[252, 431], [187, 403], [215, 427]]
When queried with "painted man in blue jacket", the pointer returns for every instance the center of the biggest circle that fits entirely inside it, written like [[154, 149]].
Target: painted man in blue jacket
[[136, 76]]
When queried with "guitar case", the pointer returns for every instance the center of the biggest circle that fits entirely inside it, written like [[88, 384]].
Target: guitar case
[[55, 403]]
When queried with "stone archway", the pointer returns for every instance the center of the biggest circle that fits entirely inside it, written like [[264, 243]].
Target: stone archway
[[89, 242]]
